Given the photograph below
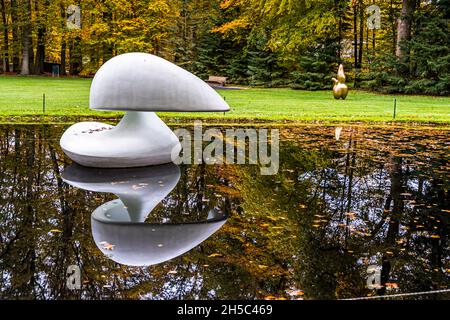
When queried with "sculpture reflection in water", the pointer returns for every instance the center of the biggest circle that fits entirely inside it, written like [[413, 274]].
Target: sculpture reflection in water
[[118, 226]]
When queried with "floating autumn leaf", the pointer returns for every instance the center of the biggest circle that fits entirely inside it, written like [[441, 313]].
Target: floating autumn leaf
[[350, 215], [214, 255], [295, 292], [172, 272], [391, 285]]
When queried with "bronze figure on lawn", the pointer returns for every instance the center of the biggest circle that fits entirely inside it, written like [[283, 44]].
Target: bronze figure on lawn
[[340, 89]]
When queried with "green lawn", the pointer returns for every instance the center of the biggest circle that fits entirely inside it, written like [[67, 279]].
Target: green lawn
[[22, 96]]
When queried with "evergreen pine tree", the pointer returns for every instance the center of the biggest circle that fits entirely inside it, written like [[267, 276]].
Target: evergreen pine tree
[[316, 68], [262, 67], [430, 58]]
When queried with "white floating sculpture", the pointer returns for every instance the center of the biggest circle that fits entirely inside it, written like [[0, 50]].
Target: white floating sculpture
[[119, 227], [138, 83]]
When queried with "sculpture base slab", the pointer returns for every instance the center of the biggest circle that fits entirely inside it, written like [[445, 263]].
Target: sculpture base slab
[[140, 139]]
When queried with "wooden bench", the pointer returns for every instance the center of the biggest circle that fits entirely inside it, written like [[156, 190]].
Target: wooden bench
[[217, 80]]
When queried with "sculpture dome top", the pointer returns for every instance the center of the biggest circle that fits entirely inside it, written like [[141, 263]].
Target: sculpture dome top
[[144, 82]]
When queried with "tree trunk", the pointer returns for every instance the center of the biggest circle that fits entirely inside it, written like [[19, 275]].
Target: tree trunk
[[361, 33], [75, 56], [355, 34], [404, 28], [5, 38], [15, 37], [26, 34], [63, 58], [63, 40], [41, 38], [40, 52], [107, 48]]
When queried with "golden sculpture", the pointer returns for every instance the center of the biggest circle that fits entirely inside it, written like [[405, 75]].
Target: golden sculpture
[[340, 89]]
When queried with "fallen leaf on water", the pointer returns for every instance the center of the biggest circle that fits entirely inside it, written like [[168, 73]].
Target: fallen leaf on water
[[295, 293], [391, 285], [214, 255], [351, 215]]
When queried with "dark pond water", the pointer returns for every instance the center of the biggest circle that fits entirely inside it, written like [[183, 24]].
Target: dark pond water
[[376, 196]]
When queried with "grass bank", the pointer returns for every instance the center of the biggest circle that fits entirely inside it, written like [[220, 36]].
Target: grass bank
[[67, 100]]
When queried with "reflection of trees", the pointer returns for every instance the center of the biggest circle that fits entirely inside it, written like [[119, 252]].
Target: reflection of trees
[[373, 197], [356, 202]]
